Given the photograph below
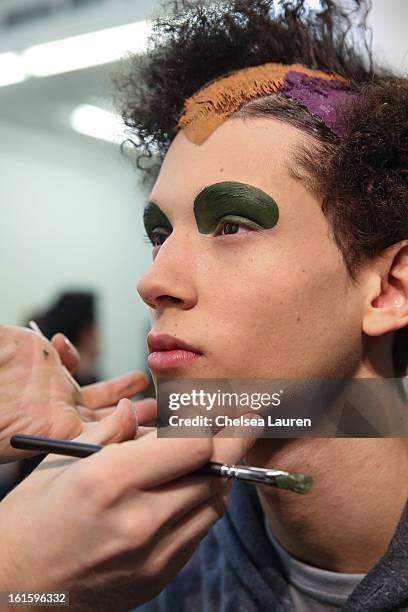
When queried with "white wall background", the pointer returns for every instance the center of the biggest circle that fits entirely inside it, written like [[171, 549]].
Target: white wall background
[[389, 23], [71, 217]]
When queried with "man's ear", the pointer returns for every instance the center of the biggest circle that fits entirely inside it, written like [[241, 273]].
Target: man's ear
[[386, 289]]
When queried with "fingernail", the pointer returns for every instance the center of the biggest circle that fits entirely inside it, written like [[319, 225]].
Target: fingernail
[[128, 404], [123, 403]]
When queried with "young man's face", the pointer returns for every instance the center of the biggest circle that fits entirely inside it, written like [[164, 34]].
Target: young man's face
[[266, 301]]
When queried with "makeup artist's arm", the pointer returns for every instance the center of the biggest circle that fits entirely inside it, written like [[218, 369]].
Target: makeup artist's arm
[[38, 398], [114, 528]]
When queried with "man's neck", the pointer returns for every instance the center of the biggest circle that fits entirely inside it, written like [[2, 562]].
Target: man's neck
[[346, 521]]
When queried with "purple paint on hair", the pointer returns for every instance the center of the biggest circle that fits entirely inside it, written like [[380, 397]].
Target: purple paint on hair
[[321, 97]]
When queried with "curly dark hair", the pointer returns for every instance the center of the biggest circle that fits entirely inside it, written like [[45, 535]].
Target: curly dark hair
[[360, 178]]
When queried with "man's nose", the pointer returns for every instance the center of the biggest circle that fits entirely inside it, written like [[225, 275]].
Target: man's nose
[[169, 281]]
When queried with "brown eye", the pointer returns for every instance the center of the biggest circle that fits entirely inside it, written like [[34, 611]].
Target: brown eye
[[158, 239], [158, 236], [230, 228]]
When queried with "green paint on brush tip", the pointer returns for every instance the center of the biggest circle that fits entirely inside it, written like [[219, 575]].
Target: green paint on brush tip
[[295, 481], [235, 202]]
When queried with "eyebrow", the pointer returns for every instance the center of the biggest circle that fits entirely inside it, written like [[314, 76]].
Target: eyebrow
[[152, 202], [195, 195]]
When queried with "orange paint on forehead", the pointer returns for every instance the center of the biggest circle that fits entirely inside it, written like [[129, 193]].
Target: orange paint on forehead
[[211, 106]]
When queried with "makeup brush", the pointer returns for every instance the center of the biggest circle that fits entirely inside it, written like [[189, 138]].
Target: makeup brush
[[293, 481]]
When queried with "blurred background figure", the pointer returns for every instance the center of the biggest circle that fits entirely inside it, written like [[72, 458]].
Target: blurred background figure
[[74, 314]]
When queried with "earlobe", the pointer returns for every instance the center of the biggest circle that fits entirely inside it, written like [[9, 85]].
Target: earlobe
[[386, 306]]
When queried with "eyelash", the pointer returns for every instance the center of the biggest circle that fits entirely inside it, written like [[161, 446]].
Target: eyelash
[[149, 238]]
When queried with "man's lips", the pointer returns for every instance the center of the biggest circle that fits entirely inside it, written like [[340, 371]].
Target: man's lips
[[166, 351], [165, 342]]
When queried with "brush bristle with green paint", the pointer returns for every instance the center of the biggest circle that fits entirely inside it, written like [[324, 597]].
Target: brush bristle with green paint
[[292, 481]]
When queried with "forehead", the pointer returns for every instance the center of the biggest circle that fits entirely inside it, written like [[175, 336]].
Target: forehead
[[255, 151]]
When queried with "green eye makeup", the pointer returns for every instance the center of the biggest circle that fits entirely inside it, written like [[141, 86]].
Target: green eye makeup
[[154, 219], [235, 202], [229, 201]]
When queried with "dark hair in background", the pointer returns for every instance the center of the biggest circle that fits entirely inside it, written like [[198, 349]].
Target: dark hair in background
[[360, 178], [71, 313]]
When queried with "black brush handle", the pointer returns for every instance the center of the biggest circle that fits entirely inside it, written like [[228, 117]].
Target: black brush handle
[[83, 449], [54, 445]]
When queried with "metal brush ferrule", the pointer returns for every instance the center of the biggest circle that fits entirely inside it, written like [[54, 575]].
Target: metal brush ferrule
[[251, 474]]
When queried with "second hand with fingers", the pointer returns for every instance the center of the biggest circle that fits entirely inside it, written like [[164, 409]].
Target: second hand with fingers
[[292, 481]]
